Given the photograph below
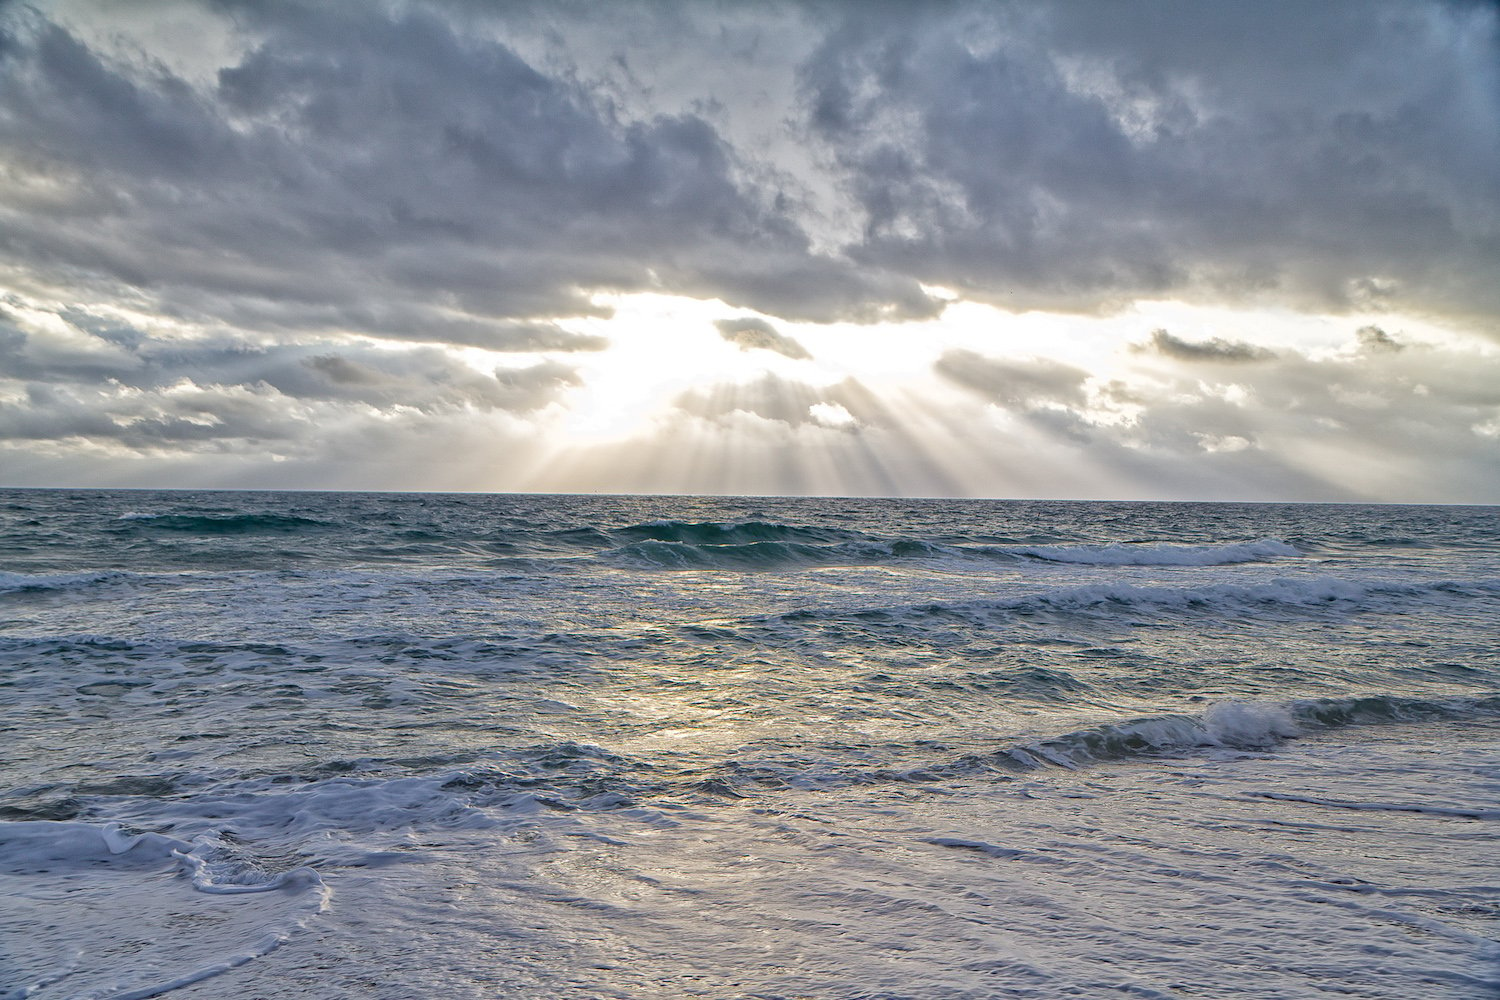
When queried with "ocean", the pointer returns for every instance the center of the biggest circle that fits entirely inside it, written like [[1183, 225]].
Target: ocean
[[334, 745]]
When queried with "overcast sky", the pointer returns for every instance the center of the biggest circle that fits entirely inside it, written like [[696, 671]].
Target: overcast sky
[[1151, 250]]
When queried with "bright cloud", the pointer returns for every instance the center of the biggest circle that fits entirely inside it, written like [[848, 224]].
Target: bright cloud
[[1019, 250]]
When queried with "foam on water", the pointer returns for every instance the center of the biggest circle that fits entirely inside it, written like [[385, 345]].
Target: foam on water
[[695, 747], [71, 883]]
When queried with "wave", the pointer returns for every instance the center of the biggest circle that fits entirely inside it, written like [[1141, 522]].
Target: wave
[[1236, 725], [730, 532], [33, 846], [1263, 550], [228, 524], [505, 789], [1240, 726], [766, 545], [1459, 812], [765, 554], [13, 583], [1307, 593]]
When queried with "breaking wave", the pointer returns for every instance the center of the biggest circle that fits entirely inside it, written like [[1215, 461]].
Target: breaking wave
[[1240, 726]]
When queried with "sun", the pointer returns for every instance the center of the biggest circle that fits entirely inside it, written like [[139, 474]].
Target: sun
[[660, 347]]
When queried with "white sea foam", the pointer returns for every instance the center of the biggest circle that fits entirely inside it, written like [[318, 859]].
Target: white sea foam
[[31, 846], [41, 844], [74, 881], [1234, 725]]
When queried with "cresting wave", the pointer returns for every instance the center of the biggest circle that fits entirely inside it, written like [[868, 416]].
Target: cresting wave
[[502, 788], [1225, 598], [1241, 726]]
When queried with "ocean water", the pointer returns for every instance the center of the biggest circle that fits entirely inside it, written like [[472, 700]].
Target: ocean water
[[271, 745]]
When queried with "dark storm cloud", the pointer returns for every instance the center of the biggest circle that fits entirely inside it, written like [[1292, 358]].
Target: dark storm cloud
[[751, 333], [1333, 155], [387, 170], [402, 169], [1213, 349]]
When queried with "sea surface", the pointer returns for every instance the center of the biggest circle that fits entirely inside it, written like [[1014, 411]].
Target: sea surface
[[320, 745]]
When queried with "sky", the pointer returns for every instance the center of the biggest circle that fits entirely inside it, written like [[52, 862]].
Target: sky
[[1167, 250]]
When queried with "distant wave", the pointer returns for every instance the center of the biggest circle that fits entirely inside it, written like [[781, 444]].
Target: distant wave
[[767, 554], [730, 532], [1161, 555], [227, 524], [769, 545]]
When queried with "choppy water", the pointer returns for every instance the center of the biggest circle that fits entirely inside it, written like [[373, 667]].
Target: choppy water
[[357, 745]]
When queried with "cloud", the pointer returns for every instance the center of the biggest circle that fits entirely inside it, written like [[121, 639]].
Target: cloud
[[1214, 349], [845, 406], [395, 171], [78, 376], [1374, 339], [1349, 425], [752, 333], [1070, 156], [306, 238], [1015, 383], [450, 172]]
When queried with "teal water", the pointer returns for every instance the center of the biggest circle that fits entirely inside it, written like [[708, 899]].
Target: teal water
[[398, 745]]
